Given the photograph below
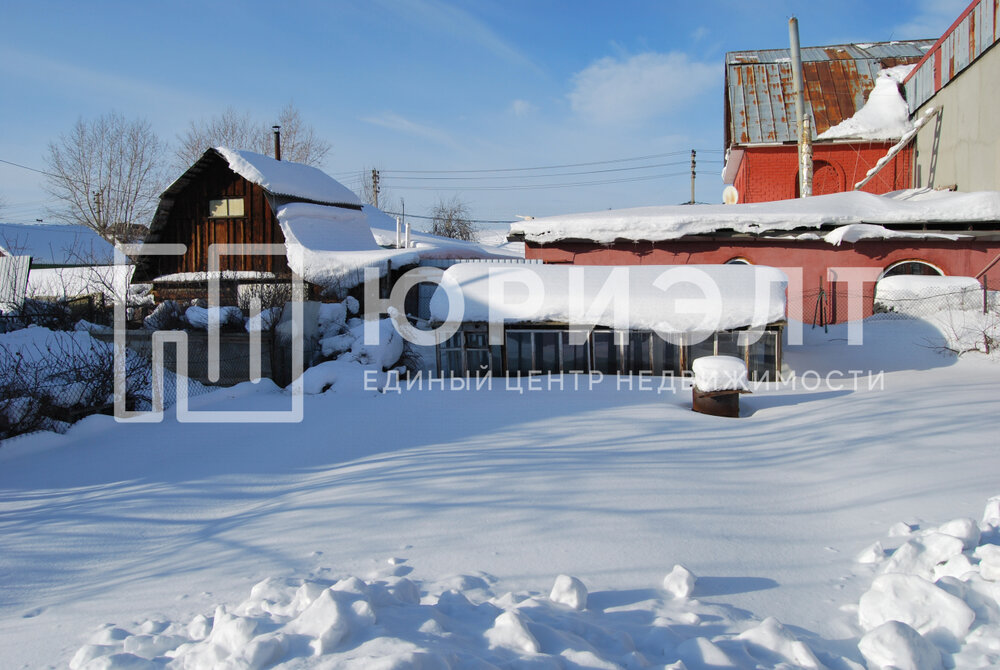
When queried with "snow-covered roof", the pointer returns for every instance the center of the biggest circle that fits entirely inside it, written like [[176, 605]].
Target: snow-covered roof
[[49, 244], [662, 298], [331, 246], [855, 232], [294, 180], [671, 222], [885, 116]]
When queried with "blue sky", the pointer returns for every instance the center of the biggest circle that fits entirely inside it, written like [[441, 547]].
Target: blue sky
[[424, 85]]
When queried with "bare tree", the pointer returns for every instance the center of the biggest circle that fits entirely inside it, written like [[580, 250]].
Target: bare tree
[[452, 219], [107, 173], [299, 142]]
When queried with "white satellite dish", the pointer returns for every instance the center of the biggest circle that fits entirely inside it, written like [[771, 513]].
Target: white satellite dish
[[730, 195]]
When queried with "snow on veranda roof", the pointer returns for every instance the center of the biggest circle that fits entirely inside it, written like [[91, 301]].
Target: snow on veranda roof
[[653, 224], [332, 246], [293, 180], [667, 299]]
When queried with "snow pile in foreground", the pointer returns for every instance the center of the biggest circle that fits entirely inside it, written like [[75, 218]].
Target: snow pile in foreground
[[935, 601], [394, 622]]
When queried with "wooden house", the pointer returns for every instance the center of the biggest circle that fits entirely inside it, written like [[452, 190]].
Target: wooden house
[[230, 197], [323, 232]]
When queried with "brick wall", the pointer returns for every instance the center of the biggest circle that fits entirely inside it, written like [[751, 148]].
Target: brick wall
[[771, 173]]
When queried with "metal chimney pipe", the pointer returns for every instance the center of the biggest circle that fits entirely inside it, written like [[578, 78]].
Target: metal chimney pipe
[[805, 184], [277, 142]]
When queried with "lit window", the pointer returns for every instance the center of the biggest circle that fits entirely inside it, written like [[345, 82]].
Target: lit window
[[225, 208]]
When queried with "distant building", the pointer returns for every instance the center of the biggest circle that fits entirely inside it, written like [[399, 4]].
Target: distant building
[[761, 131], [958, 78], [67, 261]]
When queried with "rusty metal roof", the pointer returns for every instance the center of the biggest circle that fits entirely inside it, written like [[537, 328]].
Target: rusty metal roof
[[760, 98]]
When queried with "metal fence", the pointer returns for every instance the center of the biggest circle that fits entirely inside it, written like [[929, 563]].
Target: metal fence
[[820, 307], [59, 314], [48, 381]]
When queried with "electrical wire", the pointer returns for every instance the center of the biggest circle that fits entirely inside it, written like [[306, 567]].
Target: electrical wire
[[551, 167], [541, 176], [536, 187]]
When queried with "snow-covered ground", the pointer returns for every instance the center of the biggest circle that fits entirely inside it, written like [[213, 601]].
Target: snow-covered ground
[[440, 528]]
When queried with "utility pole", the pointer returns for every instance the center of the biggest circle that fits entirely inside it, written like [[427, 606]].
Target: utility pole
[[375, 186], [692, 175], [97, 206]]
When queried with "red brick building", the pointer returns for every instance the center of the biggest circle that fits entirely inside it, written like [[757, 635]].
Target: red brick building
[[762, 158]]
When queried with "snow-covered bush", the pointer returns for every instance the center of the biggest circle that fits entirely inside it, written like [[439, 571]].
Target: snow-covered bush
[[50, 378], [342, 340], [166, 316]]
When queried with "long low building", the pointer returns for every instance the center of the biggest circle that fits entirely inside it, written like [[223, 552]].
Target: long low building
[[537, 319], [829, 245]]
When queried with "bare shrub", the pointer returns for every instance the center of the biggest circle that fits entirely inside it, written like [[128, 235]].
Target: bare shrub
[[452, 219], [47, 387]]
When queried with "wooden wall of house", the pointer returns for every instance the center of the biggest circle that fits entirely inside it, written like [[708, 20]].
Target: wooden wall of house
[[190, 224]]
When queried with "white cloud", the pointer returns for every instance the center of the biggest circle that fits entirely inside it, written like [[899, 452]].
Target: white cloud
[[444, 18], [640, 87], [401, 124], [930, 20], [522, 108]]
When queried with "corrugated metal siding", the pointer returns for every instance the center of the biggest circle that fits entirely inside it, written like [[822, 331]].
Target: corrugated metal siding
[[973, 33], [760, 87], [13, 280]]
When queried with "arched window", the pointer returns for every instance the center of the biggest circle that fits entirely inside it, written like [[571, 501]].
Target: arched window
[[911, 267], [826, 179]]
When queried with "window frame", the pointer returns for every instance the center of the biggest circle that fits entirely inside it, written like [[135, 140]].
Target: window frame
[[227, 200]]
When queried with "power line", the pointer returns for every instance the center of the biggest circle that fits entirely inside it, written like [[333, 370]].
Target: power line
[[535, 187], [556, 174], [552, 167], [431, 218], [25, 167]]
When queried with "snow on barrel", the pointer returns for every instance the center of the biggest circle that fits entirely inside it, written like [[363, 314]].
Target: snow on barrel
[[718, 381], [720, 373]]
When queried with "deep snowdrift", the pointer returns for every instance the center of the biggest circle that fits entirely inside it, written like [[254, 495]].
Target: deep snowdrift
[[153, 528]]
